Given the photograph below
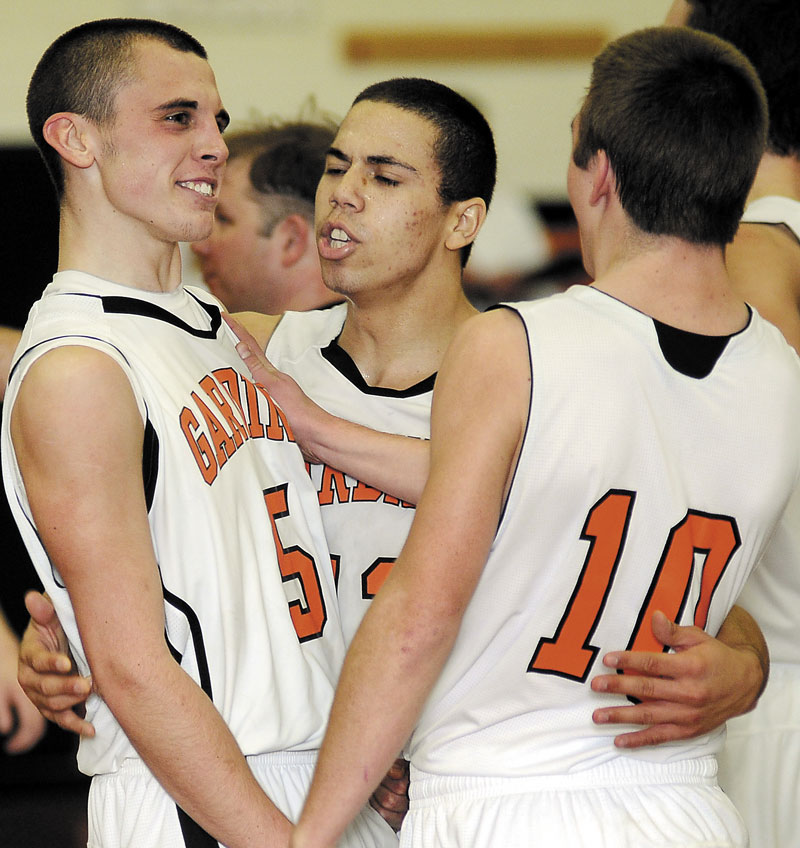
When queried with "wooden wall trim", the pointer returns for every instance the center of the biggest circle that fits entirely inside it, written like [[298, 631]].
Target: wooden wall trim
[[447, 45]]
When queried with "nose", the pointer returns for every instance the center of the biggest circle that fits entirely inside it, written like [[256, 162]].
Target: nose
[[348, 190], [213, 145]]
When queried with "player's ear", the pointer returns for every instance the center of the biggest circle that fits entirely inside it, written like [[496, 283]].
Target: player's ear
[[293, 233], [69, 135], [604, 181], [469, 216]]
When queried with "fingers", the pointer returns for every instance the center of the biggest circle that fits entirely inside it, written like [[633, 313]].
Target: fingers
[[675, 635], [44, 645], [37, 653], [70, 721], [40, 608], [398, 772], [390, 799], [393, 819], [659, 722], [247, 347], [661, 664], [654, 735], [53, 691], [650, 666], [57, 696], [40, 660], [30, 727], [240, 331], [391, 806]]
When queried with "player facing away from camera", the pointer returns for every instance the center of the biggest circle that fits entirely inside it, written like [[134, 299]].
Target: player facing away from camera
[[595, 456]]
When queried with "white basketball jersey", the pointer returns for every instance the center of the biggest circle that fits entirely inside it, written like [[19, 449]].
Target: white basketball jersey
[[365, 528], [249, 599], [638, 487], [772, 595]]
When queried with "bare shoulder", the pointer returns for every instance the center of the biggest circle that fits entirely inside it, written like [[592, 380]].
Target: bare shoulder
[[493, 335], [68, 369], [764, 266], [488, 360], [259, 325], [79, 394]]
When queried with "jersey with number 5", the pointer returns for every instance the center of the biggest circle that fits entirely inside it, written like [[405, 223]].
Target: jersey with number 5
[[249, 606], [653, 470]]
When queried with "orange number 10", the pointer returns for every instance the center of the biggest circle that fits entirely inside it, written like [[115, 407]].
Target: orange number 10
[[569, 653]]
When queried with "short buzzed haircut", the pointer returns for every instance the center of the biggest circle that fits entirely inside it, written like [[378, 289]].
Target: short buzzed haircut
[[287, 161], [83, 69], [682, 117], [464, 148]]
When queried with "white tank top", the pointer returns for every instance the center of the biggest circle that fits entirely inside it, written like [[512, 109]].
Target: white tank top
[[226, 487], [636, 483], [366, 529]]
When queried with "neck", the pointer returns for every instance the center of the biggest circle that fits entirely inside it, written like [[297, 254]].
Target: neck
[[396, 343], [679, 283], [91, 245], [776, 175]]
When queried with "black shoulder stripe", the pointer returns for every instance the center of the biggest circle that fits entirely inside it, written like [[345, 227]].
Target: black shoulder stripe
[[134, 306]]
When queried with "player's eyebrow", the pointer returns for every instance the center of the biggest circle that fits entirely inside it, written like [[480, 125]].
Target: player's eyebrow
[[372, 160], [390, 160], [178, 103], [222, 116]]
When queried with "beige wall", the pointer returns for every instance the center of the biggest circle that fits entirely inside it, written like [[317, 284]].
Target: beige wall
[[269, 61]]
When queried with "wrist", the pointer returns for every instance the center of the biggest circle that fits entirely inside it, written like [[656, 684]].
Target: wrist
[[758, 672]]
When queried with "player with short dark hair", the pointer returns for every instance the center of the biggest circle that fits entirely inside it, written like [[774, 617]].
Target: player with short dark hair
[[594, 457], [160, 493]]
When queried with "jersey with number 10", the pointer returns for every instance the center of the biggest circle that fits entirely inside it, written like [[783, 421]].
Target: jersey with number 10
[[638, 487]]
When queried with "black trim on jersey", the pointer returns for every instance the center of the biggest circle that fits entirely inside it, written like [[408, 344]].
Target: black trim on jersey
[[58, 338], [516, 311], [114, 304], [150, 449], [193, 835], [342, 362], [693, 354], [197, 639], [54, 574]]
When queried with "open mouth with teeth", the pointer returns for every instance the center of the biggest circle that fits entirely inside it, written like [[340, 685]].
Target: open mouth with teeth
[[338, 237], [206, 189]]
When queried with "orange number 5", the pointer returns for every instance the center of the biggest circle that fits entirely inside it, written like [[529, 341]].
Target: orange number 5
[[309, 618]]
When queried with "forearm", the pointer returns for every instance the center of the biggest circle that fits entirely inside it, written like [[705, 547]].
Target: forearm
[[397, 465], [369, 724], [741, 632], [184, 741]]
